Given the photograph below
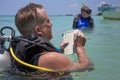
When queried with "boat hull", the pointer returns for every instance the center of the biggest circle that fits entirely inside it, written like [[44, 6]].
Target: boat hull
[[111, 15]]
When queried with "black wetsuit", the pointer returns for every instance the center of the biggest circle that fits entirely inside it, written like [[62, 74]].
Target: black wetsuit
[[30, 51], [76, 19]]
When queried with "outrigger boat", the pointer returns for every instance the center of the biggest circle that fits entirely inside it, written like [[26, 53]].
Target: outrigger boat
[[109, 11]]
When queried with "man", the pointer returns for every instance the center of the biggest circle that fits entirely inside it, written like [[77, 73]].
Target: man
[[35, 26], [84, 19]]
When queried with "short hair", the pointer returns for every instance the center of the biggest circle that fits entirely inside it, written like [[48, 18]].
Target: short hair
[[28, 17]]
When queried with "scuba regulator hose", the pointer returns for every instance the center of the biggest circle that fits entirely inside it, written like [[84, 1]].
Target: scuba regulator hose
[[20, 61], [27, 64]]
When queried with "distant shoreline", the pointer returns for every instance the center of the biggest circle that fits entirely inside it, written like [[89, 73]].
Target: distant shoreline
[[7, 15], [49, 15]]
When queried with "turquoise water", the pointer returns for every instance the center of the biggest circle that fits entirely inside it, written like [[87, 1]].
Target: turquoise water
[[102, 46]]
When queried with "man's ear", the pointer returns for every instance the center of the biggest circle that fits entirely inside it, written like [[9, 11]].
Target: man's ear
[[37, 30]]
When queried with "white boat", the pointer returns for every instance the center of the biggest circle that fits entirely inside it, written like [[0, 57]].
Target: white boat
[[109, 11]]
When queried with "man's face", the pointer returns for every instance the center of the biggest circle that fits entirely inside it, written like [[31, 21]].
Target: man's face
[[46, 27], [85, 12]]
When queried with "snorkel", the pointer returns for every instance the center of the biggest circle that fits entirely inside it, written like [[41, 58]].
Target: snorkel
[[83, 4]]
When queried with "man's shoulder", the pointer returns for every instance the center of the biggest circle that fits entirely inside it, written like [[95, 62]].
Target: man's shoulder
[[59, 61], [78, 15], [91, 19]]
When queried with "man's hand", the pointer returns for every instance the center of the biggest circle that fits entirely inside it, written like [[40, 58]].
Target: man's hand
[[79, 39], [63, 45]]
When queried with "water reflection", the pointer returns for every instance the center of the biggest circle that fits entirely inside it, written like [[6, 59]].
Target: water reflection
[[7, 75]]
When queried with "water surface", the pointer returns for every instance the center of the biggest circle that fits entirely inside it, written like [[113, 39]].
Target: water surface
[[102, 46]]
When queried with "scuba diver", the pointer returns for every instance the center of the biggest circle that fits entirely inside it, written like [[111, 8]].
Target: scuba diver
[[84, 19], [36, 51]]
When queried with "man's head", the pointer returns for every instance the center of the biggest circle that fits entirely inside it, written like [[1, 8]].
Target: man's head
[[33, 19], [85, 11]]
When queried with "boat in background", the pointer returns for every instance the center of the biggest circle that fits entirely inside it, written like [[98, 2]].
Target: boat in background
[[109, 11]]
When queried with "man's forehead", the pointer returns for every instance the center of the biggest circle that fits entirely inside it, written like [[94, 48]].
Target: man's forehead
[[85, 7]]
